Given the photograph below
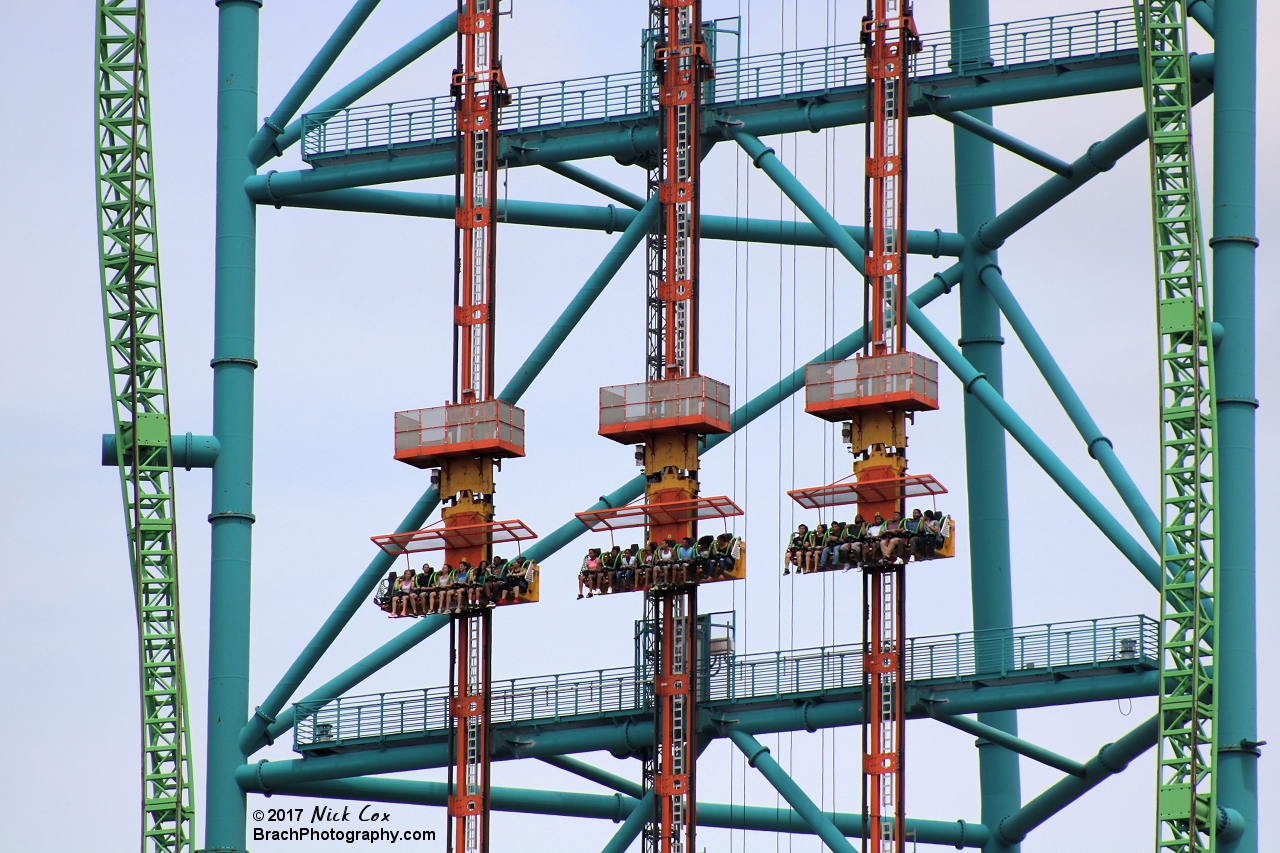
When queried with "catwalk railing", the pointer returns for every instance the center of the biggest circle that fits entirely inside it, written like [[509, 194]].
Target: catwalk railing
[[1037, 651], [794, 73]]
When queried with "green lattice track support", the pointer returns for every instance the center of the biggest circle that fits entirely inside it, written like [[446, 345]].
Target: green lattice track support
[[1186, 800], [140, 403]]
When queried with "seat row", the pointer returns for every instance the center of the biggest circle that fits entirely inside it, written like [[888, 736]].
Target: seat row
[[668, 564], [452, 590], [861, 543]]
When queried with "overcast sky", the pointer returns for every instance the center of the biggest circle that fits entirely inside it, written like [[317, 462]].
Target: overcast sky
[[353, 314]]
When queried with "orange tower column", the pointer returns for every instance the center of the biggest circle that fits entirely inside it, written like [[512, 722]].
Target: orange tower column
[[466, 482], [879, 432]]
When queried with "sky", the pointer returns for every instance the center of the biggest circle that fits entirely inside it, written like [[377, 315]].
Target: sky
[[352, 325]]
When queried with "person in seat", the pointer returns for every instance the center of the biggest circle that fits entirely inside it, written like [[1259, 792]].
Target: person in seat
[[722, 555], [851, 550], [939, 529], [404, 589], [513, 572], [613, 568], [527, 576], [629, 564], [424, 585], [916, 532], [702, 562], [893, 541], [686, 560], [872, 549], [796, 548], [464, 581], [667, 562], [444, 589], [590, 565], [831, 545], [644, 575], [811, 553], [496, 588]]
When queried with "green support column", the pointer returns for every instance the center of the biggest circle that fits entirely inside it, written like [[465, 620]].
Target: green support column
[[233, 366], [1233, 243], [988, 486]]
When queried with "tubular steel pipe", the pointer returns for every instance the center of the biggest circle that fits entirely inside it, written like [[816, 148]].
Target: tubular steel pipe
[[231, 519], [1234, 247], [764, 159], [1203, 14], [986, 459], [597, 183], [595, 218], [1099, 445], [595, 774], [631, 828], [368, 81], [1100, 157], [189, 451], [958, 834], [626, 737], [274, 124], [977, 385], [758, 757], [1110, 760], [1006, 141], [1014, 744], [354, 674]]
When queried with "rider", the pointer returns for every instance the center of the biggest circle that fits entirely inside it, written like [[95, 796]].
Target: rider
[[831, 544], [893, 539], [800, 542]]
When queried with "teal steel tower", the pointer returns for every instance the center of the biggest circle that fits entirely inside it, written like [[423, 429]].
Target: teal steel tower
[[1202, 570]]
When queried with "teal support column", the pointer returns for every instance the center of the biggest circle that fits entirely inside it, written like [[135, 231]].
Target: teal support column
[[980, 342], [233, 365], [1234, 243]]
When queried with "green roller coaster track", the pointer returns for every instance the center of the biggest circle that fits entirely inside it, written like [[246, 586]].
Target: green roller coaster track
[[1187, 809], [140, 403]]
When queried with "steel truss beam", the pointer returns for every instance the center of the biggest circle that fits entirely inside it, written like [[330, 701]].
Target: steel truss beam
[[625, 736], [142, 446], [958, 834], [631, 142]]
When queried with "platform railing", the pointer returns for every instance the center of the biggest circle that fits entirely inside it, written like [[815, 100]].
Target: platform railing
[[821, 70], [1033, 651]]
